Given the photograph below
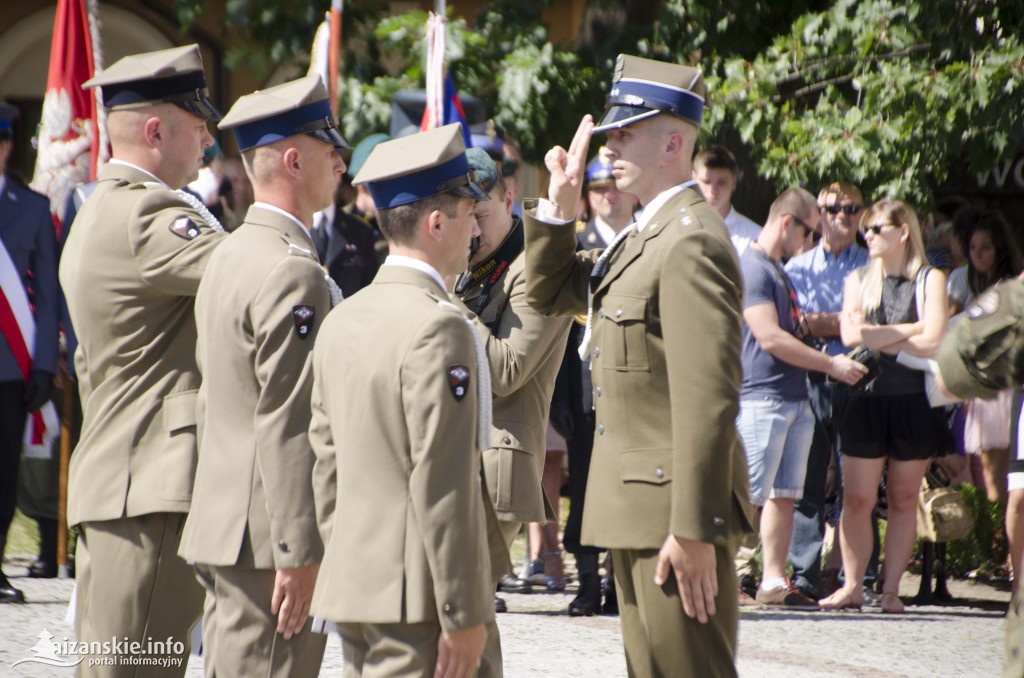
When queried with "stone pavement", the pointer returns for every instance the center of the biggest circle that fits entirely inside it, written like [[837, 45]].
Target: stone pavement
[[962, 639]]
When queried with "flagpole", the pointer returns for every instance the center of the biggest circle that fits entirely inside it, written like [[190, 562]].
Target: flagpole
[[337, 14]]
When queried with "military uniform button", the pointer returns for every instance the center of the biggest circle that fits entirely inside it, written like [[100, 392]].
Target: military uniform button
[[658, 473], [448, 609], [597, 351], [283, 545], [598, 391], [600, 313], [507, 440], [718, 522], [600, 429], [618, 313]]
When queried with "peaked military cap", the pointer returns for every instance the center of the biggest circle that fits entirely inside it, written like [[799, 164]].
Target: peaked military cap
[[173, 76], [488, 136], [296, 107], [599, 171], [8, 114], [411, 168], [642, 88]]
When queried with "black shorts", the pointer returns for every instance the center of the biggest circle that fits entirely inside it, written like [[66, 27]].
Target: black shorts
[[902, 427]]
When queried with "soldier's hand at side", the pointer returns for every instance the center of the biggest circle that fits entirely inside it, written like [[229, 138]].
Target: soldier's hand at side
[[38, 389], [567, 169], [846, 370], [458, 652], [694, 565], [293, 591]]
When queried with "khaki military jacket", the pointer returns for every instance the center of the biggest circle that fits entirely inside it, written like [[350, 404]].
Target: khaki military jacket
[[665, 359], [397, 477], [258, 309], [525, 351], [130, 270]]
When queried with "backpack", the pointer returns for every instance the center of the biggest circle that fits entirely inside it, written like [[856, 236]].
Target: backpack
[[983, 352]]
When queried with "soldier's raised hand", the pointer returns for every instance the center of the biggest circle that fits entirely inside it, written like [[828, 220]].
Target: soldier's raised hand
[[567, 171]]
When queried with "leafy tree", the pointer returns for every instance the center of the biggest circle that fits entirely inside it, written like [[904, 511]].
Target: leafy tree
[[889, 94]]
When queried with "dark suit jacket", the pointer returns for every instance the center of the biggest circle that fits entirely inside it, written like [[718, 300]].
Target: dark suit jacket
[[350, 258]]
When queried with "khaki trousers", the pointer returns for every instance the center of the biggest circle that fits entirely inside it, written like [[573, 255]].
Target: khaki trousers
[[660, 640], [389, 650], [240, 635], [131, 583]]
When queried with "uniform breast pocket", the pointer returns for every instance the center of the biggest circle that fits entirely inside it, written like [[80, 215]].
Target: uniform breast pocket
[[625, 333]]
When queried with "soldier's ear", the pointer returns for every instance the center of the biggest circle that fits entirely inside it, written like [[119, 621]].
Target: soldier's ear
[[291, 161], [433, 224], [153, 129]]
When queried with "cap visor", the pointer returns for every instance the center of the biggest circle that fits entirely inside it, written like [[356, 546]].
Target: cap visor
[[470, 190], [204, 108], [620, 116], [331, 136]]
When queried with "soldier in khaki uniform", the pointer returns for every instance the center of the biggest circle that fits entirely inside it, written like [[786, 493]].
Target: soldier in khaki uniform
[[130, 270], [400, 414], [664, 343], [524, 350], [252, 528]]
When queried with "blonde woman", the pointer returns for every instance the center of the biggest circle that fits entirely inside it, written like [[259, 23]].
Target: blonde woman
[[891, 420]]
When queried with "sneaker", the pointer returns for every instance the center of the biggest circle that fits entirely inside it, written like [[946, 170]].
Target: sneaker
[[788, 597]]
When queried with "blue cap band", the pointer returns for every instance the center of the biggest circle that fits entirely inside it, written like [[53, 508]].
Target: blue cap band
[[599, 169], [491, 144], [423, 184], [6, 124], [282, 126], [646, 94]]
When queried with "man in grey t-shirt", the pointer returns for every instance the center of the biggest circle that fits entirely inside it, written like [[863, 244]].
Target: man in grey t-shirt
[[775, 419]]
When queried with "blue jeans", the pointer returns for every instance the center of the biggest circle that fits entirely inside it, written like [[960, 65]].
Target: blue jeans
[[828, 403], [777, 437]]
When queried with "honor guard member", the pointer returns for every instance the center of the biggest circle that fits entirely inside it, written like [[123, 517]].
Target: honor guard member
[[665, 301], [251, 530], [524, 350], [400, 401], [28, 324], [130, 271]]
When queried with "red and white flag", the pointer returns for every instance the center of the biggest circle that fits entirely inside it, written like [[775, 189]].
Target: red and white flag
[[72, 143]]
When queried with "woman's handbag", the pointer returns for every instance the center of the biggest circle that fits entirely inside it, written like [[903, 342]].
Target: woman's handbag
[[942, 513], [936, 396]]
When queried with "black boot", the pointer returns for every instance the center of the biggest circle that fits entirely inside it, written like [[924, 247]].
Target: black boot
[[587, 602], [45, 566], [611, 600], [8, 594]]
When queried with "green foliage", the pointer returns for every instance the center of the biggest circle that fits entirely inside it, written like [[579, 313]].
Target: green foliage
[[890, 94]]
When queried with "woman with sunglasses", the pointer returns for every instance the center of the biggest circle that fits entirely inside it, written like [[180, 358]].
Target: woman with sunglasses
[[890, 421]]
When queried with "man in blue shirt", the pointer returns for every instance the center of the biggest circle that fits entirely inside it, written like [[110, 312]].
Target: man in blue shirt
[[818, 276]]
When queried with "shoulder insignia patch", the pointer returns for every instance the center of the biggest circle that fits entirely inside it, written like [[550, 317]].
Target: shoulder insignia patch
[[458, 380], [303, 316], [184, 228]]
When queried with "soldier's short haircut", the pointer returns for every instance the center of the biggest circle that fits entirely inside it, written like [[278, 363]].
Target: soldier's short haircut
[[716, 157], [398, 224]]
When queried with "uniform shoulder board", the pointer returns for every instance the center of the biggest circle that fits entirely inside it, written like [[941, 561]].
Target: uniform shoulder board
[[300, 251], [449, 306]]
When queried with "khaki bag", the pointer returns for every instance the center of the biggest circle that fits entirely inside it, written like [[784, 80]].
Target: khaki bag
[[942, 513]]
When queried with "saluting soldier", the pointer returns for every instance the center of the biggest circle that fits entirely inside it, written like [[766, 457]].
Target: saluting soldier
[[400, 402], [664, 342], [130, 271], [524, 350], [252, 528]]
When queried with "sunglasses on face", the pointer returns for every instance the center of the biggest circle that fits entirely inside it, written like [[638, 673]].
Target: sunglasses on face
[[803, 224], [850, 210], [877, 228]]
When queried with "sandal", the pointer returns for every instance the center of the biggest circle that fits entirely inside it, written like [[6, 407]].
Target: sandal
[[840, 600], [891, 604]]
